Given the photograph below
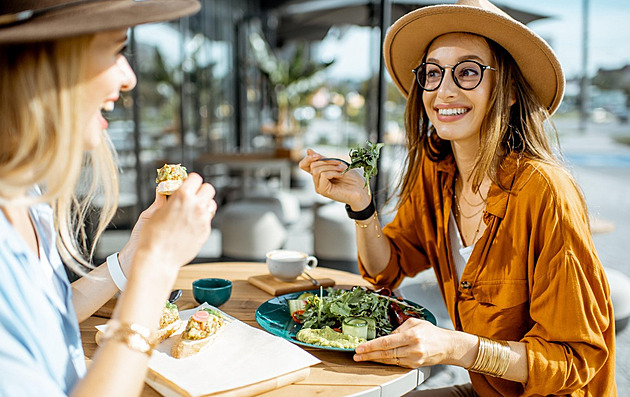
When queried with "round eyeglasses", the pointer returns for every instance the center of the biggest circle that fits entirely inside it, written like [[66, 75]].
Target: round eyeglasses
[[467, 75]]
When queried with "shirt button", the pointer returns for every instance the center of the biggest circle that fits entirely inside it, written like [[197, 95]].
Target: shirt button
[[465, 285]]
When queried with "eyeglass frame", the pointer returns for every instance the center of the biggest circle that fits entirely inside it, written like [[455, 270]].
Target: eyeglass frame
[[452, 67]]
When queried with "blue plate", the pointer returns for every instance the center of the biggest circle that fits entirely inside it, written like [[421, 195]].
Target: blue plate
[[274, 317]]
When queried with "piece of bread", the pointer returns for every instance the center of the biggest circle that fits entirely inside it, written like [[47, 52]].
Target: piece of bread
[[169, 178], [164, 333], [169, 187], [210, 325]]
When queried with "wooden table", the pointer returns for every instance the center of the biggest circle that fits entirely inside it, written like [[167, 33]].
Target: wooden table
[[336, 375]]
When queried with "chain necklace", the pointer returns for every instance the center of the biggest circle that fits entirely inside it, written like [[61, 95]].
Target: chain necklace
[[483, 199], [459, 209], [461, 214]]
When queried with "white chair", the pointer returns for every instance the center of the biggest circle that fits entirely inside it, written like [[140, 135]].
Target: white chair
[[249, 231], [285, 205], [620, 296], [334, 238]]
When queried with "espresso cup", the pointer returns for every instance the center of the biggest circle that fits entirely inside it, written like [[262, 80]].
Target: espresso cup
[[287, 265]]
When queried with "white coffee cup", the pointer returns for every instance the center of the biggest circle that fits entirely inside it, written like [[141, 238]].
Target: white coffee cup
[[287, 265]]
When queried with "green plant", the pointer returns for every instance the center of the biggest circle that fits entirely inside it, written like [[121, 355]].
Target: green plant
[[292, 79]]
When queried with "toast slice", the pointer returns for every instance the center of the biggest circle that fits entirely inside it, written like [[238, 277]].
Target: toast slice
[[201, 329]]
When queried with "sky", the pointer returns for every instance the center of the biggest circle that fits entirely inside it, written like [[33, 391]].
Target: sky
[[608, 42]]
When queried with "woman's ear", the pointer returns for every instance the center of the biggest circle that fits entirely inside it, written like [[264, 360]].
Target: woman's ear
[[512, 95]]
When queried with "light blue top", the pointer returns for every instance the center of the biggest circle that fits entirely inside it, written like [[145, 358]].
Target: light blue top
[[40, 343]]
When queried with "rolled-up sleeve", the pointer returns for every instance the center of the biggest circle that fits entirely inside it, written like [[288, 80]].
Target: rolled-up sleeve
[[408, 255]]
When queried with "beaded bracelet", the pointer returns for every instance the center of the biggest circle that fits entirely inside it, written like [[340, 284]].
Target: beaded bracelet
[[493, 357], [137, 337]]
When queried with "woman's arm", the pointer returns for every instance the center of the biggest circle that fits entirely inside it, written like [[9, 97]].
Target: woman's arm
[[349, 188], [91, 293], [120, 369]]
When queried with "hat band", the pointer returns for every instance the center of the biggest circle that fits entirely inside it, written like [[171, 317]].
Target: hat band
[[23, 16]]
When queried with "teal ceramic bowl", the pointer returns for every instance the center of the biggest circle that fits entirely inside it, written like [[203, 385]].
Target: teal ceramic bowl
[[214, 291]]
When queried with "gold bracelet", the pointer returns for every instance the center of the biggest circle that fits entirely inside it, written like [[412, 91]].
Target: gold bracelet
[[365, 225], [493, 357], [137, 337]]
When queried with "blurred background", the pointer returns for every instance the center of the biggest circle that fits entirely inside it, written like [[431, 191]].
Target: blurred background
[[240, 90]]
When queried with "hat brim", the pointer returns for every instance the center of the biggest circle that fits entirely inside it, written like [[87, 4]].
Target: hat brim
[[408, 38], [93, 17]]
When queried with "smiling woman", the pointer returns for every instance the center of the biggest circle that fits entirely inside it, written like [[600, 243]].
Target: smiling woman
[[61, 65], [486, 203]]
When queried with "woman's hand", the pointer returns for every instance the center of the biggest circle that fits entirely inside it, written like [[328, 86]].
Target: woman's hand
[[177, 228], [331, 182], [419, 343], [127, 252]]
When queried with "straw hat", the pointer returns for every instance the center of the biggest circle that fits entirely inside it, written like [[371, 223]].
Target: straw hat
[[409, 37], [23, 21]]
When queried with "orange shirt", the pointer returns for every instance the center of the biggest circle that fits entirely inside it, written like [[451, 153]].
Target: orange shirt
[[533, 276]]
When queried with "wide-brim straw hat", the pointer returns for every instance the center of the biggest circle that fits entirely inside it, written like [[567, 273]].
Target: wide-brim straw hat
[[408, 38], [24, 21]]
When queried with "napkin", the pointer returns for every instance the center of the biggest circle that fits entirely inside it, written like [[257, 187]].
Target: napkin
[[240, 355]]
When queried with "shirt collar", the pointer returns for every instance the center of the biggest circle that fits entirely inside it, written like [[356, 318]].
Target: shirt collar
[[506, 174]]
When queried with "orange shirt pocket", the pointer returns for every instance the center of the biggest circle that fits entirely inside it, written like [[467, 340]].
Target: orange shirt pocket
[[503, 294], [498, 309]]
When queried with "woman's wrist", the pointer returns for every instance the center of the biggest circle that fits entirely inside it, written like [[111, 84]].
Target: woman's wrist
[[147, 264], [360, 203], [465, 347]]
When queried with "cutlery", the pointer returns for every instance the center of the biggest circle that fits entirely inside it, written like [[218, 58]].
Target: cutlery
[[175, 295], [335, 159], [315, 282]]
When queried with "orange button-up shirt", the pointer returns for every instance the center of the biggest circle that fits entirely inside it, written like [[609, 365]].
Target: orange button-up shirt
[[533, 276]]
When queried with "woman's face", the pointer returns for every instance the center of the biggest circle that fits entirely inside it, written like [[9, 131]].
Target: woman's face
[[455, 113], [107, 74]]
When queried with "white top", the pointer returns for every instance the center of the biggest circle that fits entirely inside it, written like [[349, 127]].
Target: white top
[[460, 253]]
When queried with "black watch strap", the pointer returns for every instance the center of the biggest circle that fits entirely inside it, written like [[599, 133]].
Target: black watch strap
[[362, 215]]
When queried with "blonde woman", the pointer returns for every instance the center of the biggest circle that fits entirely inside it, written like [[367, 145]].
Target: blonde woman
[[61, 64], [487, 205]]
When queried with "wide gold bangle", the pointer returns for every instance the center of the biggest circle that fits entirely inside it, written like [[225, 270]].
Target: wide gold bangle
[[493, 357], [137, 337]]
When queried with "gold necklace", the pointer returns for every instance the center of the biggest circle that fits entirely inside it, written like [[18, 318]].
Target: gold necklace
[[459, 211], [483, 199]]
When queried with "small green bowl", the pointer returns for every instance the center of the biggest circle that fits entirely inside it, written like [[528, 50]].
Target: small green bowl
[[214, 291]]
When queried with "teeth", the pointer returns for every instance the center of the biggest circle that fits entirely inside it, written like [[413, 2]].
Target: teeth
[[452, 112], [108, 106]]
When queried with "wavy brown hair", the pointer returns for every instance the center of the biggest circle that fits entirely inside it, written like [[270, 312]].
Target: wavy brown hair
[[506, 129], [41, 87]]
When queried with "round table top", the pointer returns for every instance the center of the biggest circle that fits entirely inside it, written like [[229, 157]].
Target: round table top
[[336, 375]]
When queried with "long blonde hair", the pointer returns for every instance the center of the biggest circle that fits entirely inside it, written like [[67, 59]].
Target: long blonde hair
[[505, 129], [43, 144]]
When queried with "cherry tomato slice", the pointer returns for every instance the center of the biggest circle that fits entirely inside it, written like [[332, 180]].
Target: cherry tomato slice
[[295, 316]]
